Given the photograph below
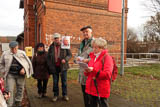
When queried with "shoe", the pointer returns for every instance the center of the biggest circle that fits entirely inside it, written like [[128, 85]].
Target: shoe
[[18, 104], [66, 98], [55, 98], [39, 95], [44, 95]]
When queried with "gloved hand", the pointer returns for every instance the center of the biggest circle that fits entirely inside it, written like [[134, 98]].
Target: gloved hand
[[33, 75]]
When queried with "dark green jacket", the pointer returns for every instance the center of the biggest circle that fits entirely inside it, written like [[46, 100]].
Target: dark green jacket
[[85, 49]]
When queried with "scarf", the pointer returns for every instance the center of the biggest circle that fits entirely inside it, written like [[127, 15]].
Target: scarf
[[40, 52], [84, 43], [97, 55], [57, 52]]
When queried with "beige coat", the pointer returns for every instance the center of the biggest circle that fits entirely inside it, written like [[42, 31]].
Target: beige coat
[[85, 54], [20, 56]]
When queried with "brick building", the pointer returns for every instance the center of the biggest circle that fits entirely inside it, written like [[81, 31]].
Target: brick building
[[42, 18], [4, 42]]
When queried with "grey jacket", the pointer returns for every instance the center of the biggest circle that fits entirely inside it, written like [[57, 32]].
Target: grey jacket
[[20, 56], [84, 52]]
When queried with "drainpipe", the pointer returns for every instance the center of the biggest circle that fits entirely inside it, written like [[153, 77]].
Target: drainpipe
[[35, 12], [122, 39], [36, 16]]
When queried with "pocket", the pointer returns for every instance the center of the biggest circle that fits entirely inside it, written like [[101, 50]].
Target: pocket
[[6, 58]]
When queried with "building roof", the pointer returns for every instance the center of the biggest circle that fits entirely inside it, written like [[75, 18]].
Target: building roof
[[7, 39]]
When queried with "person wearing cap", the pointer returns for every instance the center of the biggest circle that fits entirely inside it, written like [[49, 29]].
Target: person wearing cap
[[15, 65], [57, 60], [84, 51]]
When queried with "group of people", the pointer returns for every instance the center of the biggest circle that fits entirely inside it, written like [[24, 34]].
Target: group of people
[[94, 80]]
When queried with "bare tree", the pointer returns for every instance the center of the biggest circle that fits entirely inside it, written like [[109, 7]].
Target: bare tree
[[152, 29], [131, 41], [152, 5], [131, 35]]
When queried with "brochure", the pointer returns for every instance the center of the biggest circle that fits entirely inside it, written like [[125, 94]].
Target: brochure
[[83, 65]]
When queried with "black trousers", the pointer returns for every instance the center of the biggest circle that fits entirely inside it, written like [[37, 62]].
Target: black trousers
[[85, 96], [42, 86], [95, 102]]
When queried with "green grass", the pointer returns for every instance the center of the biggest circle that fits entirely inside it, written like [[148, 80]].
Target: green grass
[[72, 74], [143, 90], [140, 84], [147, 70]]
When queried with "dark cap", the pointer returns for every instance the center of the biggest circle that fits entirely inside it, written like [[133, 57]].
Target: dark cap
[[85, 27], [13, 44]]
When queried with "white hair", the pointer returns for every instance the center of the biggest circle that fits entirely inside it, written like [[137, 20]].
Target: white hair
[[100, 42], [90, 29]]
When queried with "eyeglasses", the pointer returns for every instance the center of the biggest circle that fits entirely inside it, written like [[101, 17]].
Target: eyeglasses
[[56, 38]]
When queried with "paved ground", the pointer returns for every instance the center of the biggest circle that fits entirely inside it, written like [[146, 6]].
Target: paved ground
[[74, 93]]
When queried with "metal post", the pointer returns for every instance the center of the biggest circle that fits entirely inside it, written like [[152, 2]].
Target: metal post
[[122, 38]]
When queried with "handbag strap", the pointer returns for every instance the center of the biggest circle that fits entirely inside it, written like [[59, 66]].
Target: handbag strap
[[102, 66]]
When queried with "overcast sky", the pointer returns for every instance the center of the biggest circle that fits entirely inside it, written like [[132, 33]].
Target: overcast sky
[[11, 17], [138, 14]]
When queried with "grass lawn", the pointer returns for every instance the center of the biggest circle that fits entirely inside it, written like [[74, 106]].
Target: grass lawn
[[152, 71], [139, 84]]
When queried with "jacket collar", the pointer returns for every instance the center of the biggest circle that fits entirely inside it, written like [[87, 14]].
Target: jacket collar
[[83, 43], [10, 52], [103, 52]]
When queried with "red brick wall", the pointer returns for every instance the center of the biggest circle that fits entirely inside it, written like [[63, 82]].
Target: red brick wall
[[68, 19], [40, 16], [68, 16], [29, 23]]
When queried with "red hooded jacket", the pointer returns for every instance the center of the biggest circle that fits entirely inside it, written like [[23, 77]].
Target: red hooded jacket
[[103, 80]]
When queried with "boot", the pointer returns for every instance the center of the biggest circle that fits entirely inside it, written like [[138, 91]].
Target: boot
[[18, 104]]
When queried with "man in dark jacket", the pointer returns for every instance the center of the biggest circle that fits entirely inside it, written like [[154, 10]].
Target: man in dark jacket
[[57, 59]]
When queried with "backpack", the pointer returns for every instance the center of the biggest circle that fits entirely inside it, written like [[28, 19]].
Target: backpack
[[113, 76], [115, 69]]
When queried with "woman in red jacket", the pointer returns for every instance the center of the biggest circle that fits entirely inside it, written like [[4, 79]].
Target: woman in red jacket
[[100, 69]]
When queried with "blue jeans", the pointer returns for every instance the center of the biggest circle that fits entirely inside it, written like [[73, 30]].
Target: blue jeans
[[63, 76]]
